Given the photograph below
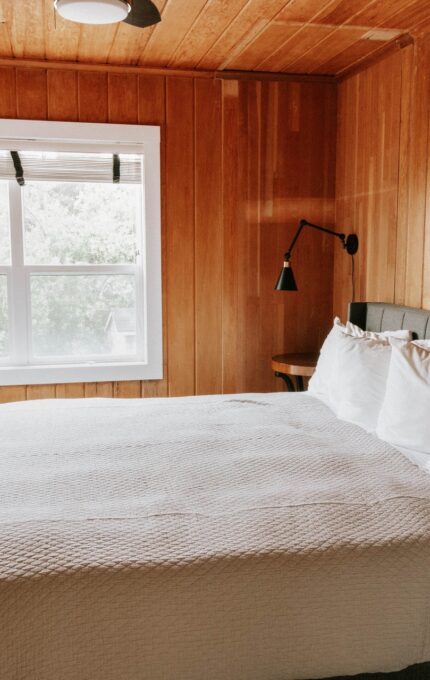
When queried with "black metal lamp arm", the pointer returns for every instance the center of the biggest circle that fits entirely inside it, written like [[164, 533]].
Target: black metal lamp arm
[[304, 223], [286, 280]]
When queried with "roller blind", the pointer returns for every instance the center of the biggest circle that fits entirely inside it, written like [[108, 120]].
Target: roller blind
[[50, 166]]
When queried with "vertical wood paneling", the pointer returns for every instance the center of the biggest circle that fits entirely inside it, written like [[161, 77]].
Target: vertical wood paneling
[[40, 392], [100, 389], [241, 163], [417, 174], [92, 97], [13, 393], [273, 236], [251, 269], [231, 221], [179, 197], [408, 60], [70, 391], [122, 98], [382, 179], [208, 237], [426, 253], [59, 106], [8, 93], [152, 100], [31, 93], [127, 390]]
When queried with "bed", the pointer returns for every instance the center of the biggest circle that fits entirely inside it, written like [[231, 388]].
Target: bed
[[235, 537]]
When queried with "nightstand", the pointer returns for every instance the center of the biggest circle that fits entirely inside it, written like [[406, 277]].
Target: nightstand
[[297, 365]]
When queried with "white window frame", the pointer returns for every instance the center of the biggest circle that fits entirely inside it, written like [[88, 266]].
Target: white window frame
[[18, 135]]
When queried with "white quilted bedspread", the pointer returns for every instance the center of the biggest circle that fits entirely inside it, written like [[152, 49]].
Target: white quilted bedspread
[[243, 537]]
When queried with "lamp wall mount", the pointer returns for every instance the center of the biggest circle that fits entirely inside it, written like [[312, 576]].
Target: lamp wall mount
[[286, 280]]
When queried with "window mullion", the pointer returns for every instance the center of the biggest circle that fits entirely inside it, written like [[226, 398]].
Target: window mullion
[[18, 279]]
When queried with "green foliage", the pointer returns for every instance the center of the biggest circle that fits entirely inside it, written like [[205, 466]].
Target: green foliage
[[74, 223], [80, 223], [70, 312]]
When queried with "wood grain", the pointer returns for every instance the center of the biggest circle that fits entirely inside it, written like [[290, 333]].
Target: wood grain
[[122, 98], [179, 191], [31, 93], [326, 36], [382, 187], [93, 97], [242, 160], [208, 237], [8, 93], [59, 106]]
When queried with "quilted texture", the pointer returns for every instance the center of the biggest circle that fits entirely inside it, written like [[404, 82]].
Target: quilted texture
[[244, 537]]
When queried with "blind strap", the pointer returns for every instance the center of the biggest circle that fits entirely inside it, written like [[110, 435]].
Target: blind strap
[[51, 166], [19, 172], [116, 169]]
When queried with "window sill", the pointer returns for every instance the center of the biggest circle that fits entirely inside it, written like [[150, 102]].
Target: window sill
[[79, 373]]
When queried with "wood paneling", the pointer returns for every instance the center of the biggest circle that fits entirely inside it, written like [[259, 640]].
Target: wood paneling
[[92, 97], [180, 242], [208, 236], [241, 161], [382, 189], [303, 36], [59, 106]]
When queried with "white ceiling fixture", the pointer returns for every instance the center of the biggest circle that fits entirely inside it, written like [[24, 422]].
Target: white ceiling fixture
[[140, 13], [93, 11]]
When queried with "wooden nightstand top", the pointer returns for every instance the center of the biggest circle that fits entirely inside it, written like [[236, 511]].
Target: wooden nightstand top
[[295, 364]]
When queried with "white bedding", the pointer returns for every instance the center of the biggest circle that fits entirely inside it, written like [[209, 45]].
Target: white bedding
[[417, 457], [243, 537]]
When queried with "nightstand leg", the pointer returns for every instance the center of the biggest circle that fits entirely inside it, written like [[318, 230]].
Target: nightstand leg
[[286, 378], [300, 385]]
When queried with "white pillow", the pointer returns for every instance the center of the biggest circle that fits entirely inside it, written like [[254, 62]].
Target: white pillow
[[320, 384], [325, 384], [405, 415], [422, 343], [358, 332], [362, 371]]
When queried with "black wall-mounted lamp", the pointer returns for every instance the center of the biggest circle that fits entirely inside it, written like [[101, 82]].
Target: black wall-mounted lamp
[[286, 280]]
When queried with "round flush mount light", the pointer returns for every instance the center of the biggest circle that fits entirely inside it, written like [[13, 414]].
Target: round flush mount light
[[93, 11]]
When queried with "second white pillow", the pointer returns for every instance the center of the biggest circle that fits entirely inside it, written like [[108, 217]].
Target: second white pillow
[[404, 419], [358, 332], [360, 384]]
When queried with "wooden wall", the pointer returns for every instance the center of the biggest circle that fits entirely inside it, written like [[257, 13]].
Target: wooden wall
[[383, 180], [242, 161]]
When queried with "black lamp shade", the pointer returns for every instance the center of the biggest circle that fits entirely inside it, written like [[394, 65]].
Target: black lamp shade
[[286, 279]]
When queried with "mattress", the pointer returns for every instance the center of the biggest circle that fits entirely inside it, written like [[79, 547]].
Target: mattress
[[241, 537]]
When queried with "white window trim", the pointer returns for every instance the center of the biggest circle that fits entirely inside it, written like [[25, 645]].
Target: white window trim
[[142, 139]]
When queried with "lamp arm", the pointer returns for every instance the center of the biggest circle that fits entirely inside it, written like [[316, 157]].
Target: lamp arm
[[305, 223]]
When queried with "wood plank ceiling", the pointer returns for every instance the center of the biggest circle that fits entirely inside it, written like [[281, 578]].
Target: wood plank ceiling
[[292, 36]]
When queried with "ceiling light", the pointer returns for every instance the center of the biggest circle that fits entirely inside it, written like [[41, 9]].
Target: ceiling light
[[93, 11]]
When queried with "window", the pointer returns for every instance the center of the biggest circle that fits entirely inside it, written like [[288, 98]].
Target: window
[[80, 279]]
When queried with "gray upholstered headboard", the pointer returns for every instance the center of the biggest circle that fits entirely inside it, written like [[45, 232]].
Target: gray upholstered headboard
[[381, 316]]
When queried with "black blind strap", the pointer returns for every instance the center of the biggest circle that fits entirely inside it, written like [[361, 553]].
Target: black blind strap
[[116, 169], [19, 172]]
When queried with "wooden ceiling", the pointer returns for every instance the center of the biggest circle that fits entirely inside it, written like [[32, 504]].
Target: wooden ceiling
[[290, 36]]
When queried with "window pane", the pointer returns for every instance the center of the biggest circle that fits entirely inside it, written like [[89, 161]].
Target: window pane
[[4, 323], [4, 223], [83, 315], [80, 223]]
